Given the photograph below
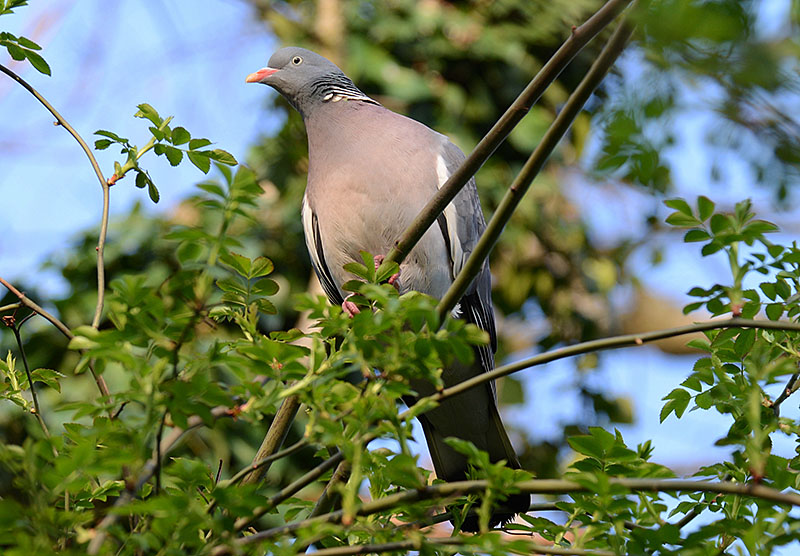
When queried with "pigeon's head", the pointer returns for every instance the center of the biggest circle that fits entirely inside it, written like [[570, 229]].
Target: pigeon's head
[[306, 79]]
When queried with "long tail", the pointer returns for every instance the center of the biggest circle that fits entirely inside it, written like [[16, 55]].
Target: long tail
[[450, 465]]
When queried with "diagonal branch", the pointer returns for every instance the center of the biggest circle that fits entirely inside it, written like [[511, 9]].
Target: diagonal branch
[[613, 342], [533, 166], [63, 328], [274, 438], [579, 38], [101, 242]]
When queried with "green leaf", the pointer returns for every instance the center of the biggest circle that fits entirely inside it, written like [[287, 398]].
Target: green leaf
[[198, 143], [677, 401], [141, 180], [173, 155], [231, 285], [744, 342], [239, 263], [265, 286], [681, 220], [223, 157], [696, 235], [189, 251], [774, 311], [15, 51], [102, 144], [152, 191], [148, 112], [180, 136], [720, 223], [49, 377], [37, 62], [705, 207], [261, 267], [27, 43], [111, 135], [201, 162], [681, 206]]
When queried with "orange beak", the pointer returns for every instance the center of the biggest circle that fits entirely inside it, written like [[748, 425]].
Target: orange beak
[[260, 75]]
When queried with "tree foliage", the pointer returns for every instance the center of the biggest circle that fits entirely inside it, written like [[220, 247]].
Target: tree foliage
[[200, 351]]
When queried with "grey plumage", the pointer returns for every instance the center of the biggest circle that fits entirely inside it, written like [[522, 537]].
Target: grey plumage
[[370, 173]]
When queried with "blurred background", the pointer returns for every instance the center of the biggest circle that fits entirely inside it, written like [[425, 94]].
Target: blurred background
[[707, 105]]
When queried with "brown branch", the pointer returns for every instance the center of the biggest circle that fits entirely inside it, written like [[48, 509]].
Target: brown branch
[[614, 342], [536, 486], [101, 242], [534, 164], [579, 37], [33, 306], [274, 438], [294, 448], [791, 388]]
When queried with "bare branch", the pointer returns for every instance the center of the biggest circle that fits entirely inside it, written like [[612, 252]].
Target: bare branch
[[30, 304], [613, 342], [579, 37], [534, 164], [101, 242], [274, 439]]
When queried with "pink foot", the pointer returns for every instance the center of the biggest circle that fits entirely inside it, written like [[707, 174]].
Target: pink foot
[[349, 307], [393, 278]]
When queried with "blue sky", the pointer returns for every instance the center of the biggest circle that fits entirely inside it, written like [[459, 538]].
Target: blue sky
[[189, 59]]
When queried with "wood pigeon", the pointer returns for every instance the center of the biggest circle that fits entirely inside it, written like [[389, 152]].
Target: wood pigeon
[[370, 173]]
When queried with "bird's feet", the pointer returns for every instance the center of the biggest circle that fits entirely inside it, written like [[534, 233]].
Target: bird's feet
[[351, 308], [393, 278]]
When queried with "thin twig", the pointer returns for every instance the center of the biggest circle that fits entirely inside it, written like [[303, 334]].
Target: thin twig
[[288, 451], [290, 489], [614, 342], [168, 443], [33, 306], [579, 37], [11, 307], [101, 242], [534, 164], [536, 486], [791, 388], [36, 408]]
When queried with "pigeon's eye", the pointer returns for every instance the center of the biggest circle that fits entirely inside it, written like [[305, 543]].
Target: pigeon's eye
[[297, 60]]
